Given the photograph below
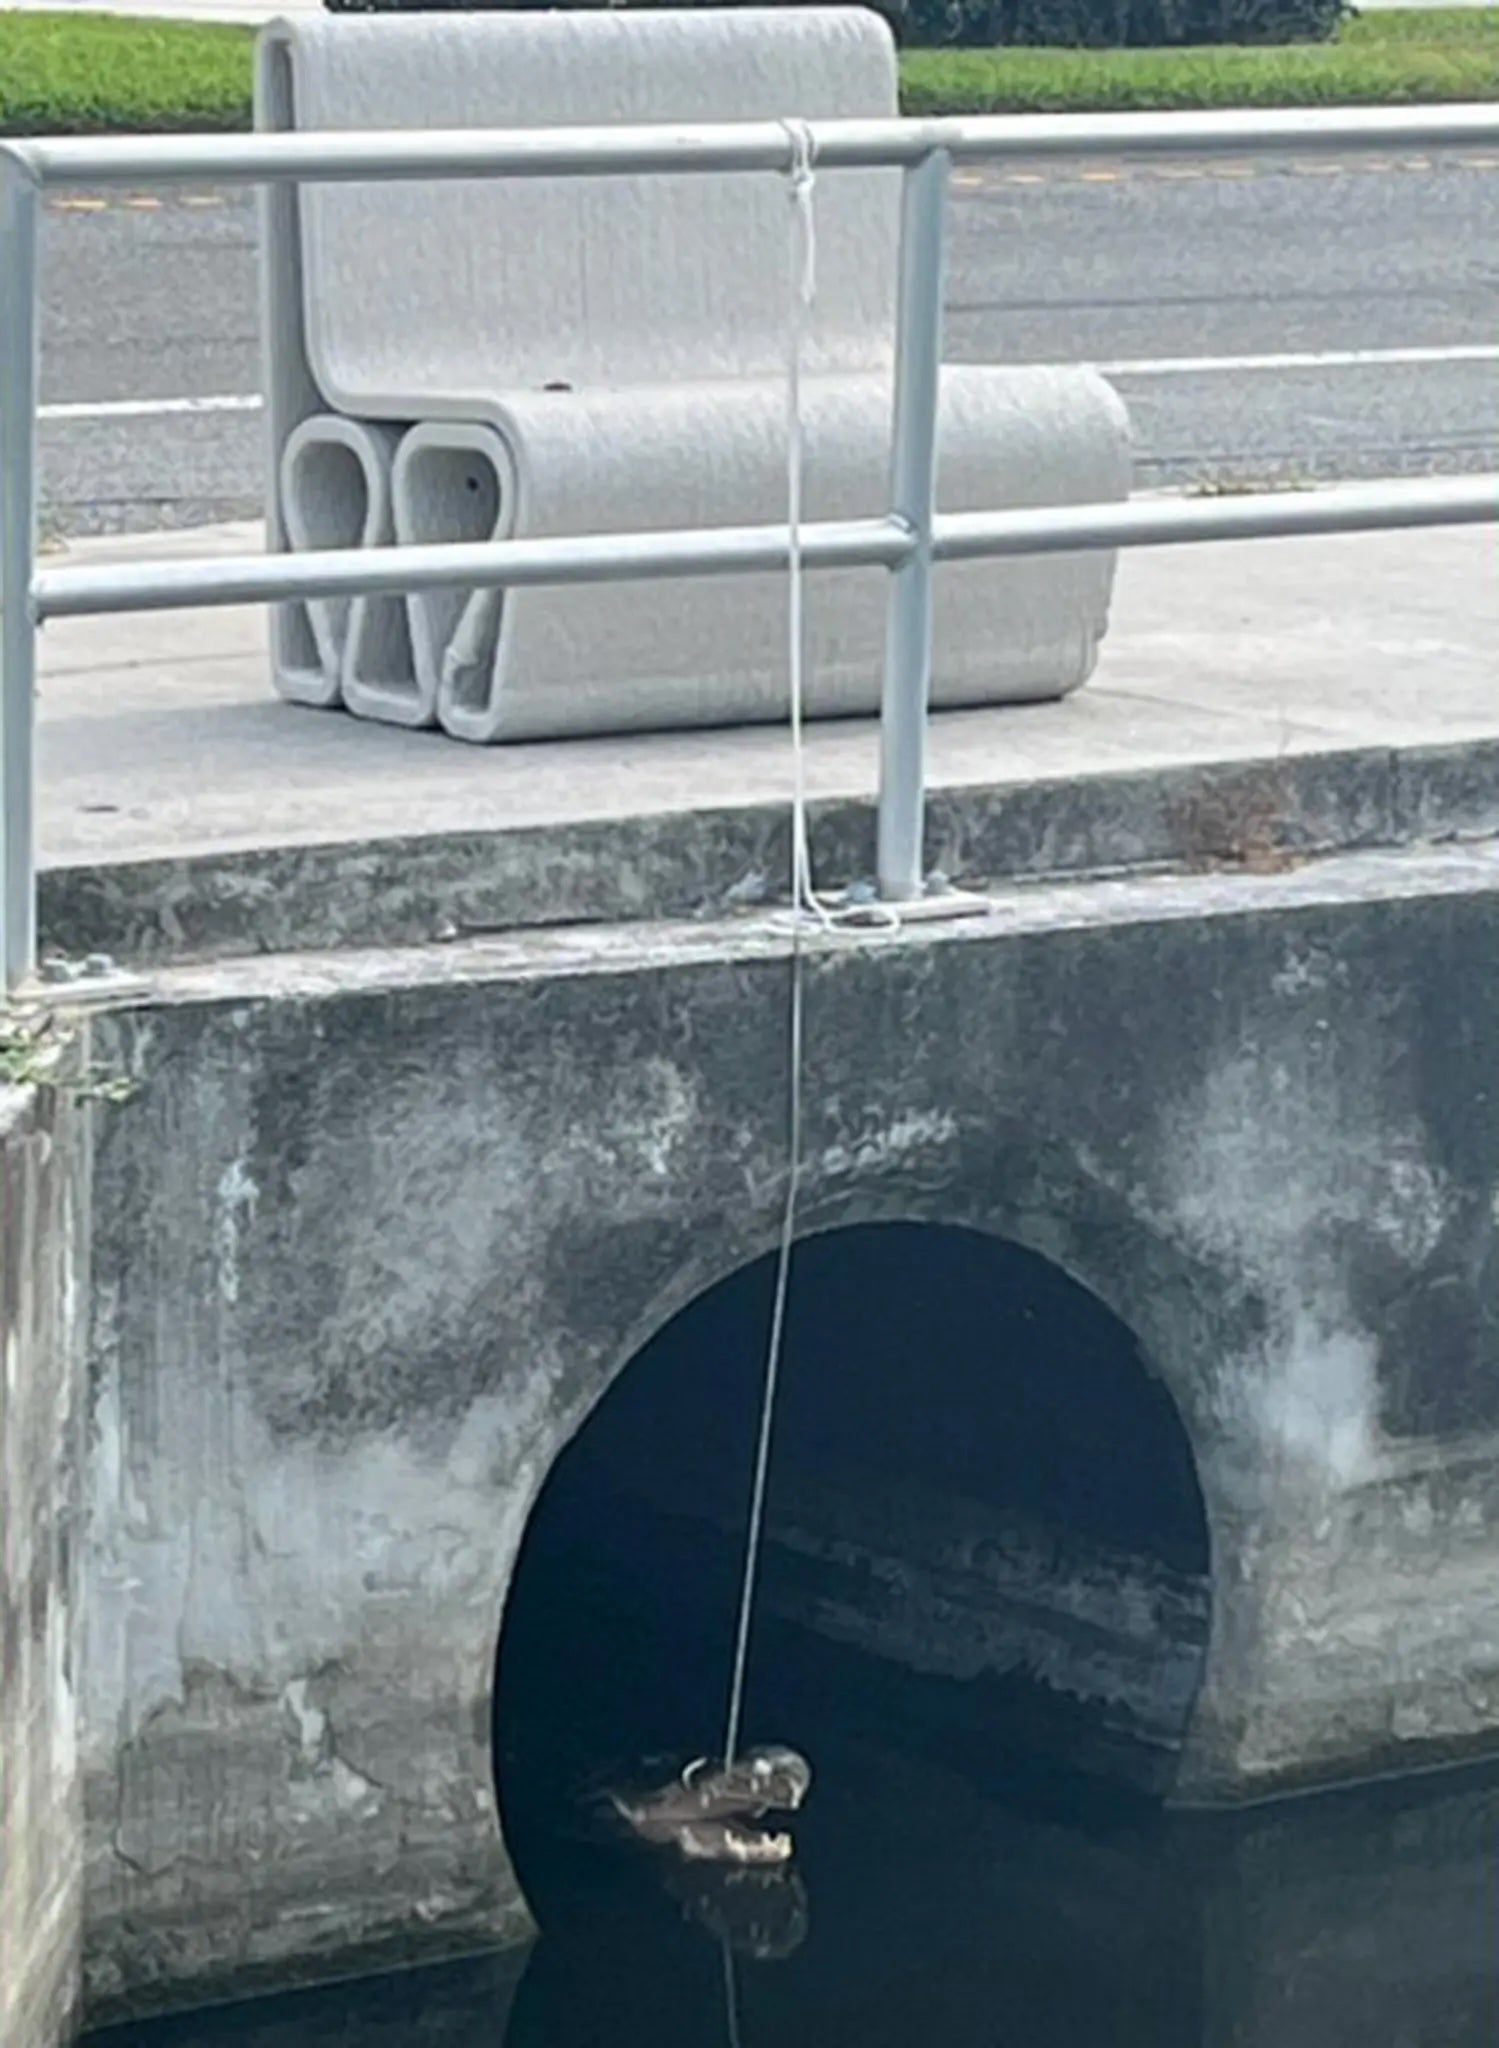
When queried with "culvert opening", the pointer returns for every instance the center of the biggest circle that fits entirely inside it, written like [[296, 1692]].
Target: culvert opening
[[985, 1547]]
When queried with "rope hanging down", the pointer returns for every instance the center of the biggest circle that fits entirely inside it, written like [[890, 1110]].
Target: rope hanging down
[[805, 901], [803, 896]]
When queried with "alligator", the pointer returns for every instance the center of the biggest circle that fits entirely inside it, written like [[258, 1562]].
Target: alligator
[[702, 1813]]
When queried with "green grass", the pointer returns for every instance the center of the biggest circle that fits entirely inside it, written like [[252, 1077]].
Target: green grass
[[99, 74], [1448, 54]]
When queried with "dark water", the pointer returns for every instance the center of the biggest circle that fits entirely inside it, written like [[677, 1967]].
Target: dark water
[[971, 1870], [922, 1912]]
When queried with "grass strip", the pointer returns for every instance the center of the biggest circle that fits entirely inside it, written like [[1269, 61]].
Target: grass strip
[[97, 74]]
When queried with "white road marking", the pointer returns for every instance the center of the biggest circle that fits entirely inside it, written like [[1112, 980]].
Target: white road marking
[[1309, 359], [1145, 366]]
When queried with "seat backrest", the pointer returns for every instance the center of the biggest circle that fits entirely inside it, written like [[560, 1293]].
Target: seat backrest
[[479, 287]]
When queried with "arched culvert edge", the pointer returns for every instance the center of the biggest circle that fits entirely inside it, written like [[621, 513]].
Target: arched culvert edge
[[985, 1527]]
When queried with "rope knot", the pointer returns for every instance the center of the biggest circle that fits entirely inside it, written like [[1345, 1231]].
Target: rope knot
[[802, 171], [801, 181]]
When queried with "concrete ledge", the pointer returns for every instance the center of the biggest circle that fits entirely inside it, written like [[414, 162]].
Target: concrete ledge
[[1251, 815], [1341, 696]]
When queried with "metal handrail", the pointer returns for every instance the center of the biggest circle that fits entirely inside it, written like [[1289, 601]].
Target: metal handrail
[[908, 540], [122, 587], [342, 154]]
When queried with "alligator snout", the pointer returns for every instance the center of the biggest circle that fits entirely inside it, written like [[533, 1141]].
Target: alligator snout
[[702, 1813]]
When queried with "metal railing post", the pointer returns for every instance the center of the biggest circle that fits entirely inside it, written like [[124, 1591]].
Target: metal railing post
[[913, 495], [19, 206], [908, 539]]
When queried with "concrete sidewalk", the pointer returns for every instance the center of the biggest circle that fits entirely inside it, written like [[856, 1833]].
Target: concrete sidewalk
[[161, 742], [161, 735]]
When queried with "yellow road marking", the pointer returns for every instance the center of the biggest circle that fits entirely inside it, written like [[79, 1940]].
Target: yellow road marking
[[1316, 167]]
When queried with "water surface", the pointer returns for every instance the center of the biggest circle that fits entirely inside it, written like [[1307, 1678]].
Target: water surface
[[927, 1910]]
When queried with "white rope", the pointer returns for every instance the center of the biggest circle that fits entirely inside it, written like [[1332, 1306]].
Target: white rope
[[803, 186], [803, 294], [805, 901]]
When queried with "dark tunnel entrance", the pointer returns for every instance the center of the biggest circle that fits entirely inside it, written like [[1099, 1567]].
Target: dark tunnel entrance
[[985, 1541]]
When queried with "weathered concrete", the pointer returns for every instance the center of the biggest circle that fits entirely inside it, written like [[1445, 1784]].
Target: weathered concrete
[[386, 1216], [446, 2005], [42, 1230], [1248, 703], [378, 1228], [945, 1586]]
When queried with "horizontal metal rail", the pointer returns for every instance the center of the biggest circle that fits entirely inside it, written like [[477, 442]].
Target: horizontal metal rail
[[70, 593], [1258, 515], [738, 145], [511, 564], [907, 540]]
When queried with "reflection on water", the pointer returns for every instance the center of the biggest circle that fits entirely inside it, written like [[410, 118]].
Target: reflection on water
[[920, 1911], [928, 1905]]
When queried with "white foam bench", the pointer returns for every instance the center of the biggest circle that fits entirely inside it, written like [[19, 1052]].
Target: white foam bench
[[573, 356]]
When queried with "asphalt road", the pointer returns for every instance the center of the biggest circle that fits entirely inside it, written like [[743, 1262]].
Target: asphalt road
[[1145, 269]]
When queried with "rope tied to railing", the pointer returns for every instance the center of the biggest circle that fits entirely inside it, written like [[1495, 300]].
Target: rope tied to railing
[[806, 903], [801, 186]]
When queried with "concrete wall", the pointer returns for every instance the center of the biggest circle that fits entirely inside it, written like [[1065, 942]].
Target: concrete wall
[[376, 1231], [42, 1173]]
